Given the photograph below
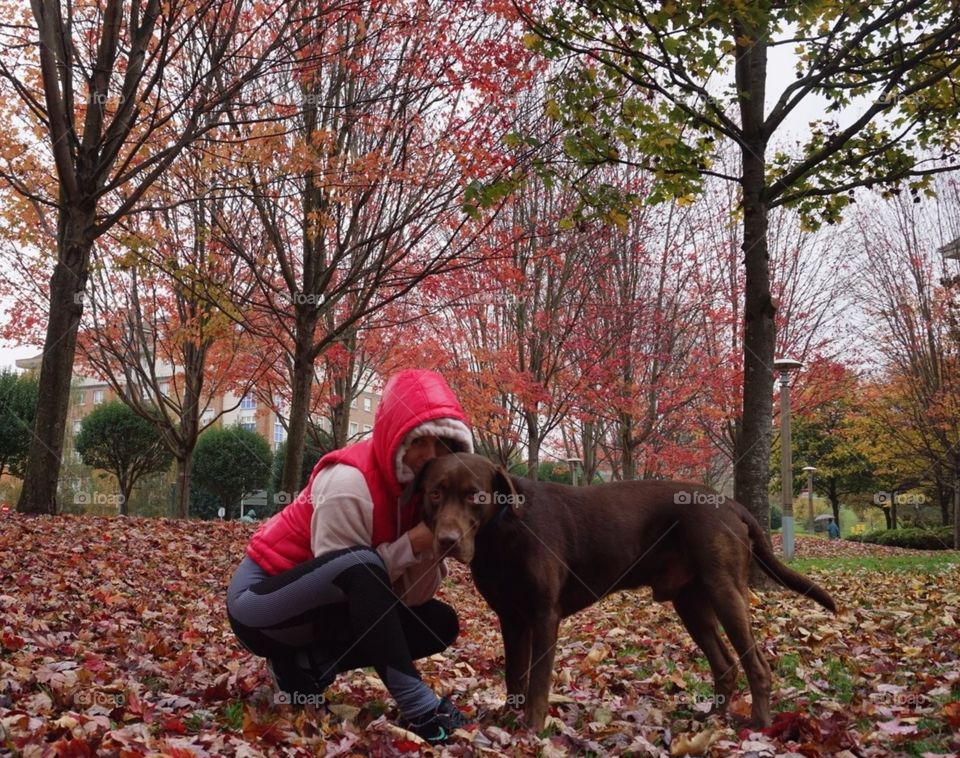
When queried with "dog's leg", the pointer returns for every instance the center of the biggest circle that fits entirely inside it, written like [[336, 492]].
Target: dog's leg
[[516, 651], [698, 616], [730, 606], [543, 649]]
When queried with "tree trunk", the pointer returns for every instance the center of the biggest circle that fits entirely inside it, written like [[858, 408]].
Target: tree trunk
[[339, 423], [628, 464], [181, 506], [297, 422], [588, 443], [42, 470], [752, 457], [956, 502], [126, 487], [834, 501], [533, 446]]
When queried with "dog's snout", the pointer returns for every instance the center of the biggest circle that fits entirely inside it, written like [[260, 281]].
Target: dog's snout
[[447, 538]]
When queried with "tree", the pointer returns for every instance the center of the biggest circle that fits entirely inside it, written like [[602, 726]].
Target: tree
[[905, 289], [646, 84], [115, 439], [158, 327], [110, 94], [319, 442], [827, 436], [353, 191], [18, 406], [231, 461]]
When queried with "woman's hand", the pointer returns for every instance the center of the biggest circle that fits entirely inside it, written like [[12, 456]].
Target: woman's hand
[[421, 538]]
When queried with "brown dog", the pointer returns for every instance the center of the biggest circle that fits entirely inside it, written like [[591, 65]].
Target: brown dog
[[540, 551]]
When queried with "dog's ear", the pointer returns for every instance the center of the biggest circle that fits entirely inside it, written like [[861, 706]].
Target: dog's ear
[[421, 476], [502, 484]]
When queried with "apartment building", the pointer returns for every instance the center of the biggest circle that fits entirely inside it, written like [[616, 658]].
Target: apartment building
[[247, 412]]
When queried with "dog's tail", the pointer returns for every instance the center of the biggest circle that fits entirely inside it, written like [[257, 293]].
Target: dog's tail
[[784, 575]]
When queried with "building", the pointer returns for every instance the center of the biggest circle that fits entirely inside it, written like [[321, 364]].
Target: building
[[247, 412]]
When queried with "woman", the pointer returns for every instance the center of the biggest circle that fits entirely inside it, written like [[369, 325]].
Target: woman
[[344, 576]]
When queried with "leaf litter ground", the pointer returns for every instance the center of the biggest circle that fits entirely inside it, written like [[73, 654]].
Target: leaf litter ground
[[114, 641]]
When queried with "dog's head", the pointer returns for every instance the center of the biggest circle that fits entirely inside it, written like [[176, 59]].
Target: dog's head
[[461, 493]]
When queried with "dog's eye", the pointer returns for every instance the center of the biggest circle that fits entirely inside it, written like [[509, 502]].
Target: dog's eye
[[435, 496]]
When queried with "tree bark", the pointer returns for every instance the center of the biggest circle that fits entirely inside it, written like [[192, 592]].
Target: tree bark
[[126, 487], [628, 463], [751, 465], [67, 284], [956, 502], [299, 412], [533, 445], [181, 506]]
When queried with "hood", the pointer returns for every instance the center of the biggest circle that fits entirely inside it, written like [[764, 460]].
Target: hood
[[411, 398]]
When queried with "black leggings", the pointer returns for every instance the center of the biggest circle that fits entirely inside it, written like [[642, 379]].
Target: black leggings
[[339, 608]]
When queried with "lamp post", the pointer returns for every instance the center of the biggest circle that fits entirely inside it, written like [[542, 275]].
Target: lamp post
[[574, 463], [785, 366], [810, 471]]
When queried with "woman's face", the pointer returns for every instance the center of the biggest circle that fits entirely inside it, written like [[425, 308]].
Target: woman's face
[[420, 451]]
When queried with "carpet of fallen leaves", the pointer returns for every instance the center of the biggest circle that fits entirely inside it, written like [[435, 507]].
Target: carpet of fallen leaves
[[113, 641]]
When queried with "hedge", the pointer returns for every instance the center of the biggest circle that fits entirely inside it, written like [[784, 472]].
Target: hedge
[[939, 538]]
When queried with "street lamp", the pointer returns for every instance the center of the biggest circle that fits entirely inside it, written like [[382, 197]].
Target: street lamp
[[785, 366], [810, 471], [573, 463]]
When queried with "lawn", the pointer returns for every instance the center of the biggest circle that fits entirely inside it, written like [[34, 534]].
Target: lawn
[[113, 641]]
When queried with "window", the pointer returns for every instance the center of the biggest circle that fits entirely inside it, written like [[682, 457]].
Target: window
[[97, 397], [165, 389], [279, 433], [81, 397], [250, 426], [248, 403], [77, 426], [354, 429], [353, 403], [367, 428], [367, 404], [75, 455]]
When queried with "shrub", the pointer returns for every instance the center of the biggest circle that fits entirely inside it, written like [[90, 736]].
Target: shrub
[[940, 538]]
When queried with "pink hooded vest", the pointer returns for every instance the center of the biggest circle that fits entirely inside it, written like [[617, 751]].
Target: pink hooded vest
[[410, 398]]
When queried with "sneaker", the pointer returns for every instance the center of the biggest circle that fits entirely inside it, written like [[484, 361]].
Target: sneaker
[[437, 725]]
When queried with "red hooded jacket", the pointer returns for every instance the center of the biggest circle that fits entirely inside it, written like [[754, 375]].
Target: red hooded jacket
[[410, 398]]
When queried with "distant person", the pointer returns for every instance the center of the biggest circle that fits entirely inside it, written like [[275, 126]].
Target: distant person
[[833, 531], [345, 576]]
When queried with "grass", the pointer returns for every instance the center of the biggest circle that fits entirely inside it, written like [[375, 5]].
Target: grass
[[233, 715], [838, 675], [927, 564]]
